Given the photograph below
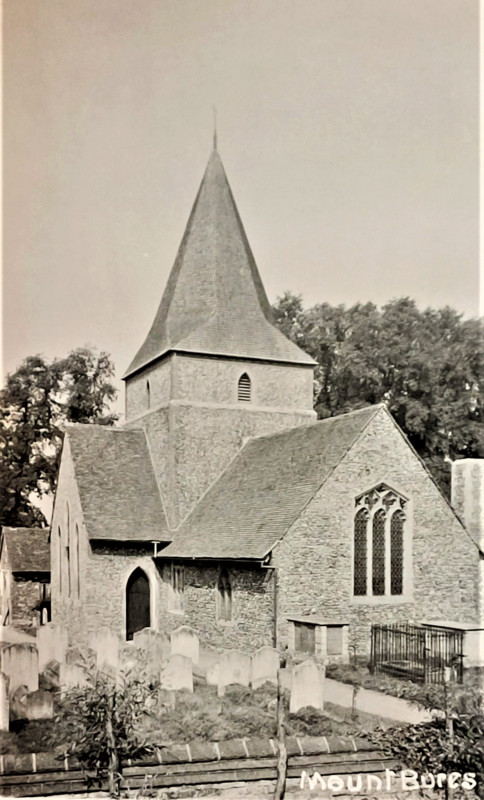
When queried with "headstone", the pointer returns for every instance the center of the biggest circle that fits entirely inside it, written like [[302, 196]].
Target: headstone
[[307, 686], [155, 647], [106, 644], [212, 673], [71, 676], [31, 705], [184, 640], [178, 673], [265, 663], [39, 705], [51, 644], [21, 663], [84, 657], [235, 667], [4, 706]]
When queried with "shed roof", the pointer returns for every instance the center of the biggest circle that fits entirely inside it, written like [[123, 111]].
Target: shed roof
[[28, 549]]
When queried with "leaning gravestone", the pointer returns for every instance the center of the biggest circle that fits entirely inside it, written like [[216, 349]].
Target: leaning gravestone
[[4, 705], [235, 667], [307, 686], [265, 663], [21, 663], [185, 641], [51, 644], [178, 673]]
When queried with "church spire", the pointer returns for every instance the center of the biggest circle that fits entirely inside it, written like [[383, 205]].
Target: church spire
[[214, 302], [214, 127]]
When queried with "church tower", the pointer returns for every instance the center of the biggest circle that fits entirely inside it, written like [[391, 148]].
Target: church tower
[[213, 370]]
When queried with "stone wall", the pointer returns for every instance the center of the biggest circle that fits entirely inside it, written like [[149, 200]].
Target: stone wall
[[69, 593], [315, 557], [160, 388], [26, 592], [252, 605]]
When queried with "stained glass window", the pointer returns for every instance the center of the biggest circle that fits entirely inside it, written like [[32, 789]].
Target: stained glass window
[[396, 549], [360, 549], [378, 584]]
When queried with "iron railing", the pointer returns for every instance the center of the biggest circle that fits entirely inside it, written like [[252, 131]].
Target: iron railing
[[417, 653]]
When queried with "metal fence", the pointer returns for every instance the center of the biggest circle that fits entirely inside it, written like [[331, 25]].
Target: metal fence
[[417, 653]]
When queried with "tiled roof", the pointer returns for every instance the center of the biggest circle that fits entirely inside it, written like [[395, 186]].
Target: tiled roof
[[214, 301], [28, 549], [265, 488], [117, 487]]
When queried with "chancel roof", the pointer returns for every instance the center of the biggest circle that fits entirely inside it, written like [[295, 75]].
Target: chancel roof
[[262, 492], [28, 549], [214, 302], [119, 496]]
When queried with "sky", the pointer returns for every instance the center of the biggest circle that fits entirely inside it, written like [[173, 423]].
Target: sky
[[348, 130]]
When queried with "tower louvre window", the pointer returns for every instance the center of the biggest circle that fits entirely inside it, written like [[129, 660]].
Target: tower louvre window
[[244, 388]]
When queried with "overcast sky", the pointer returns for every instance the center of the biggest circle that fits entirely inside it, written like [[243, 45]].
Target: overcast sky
[[348, 130]]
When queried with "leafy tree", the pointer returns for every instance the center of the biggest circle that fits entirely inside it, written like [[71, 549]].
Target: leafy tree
[[424, 365], [38, 398]]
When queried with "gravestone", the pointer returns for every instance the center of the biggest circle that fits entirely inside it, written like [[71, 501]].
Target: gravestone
[[21, 663], [51, 644], [212, 673], [178, 673], [235, 667], [4, 705], [307, 686], [155, 647], [71, 676], [31, 705], [106, 644], [184, 640], [265, 663]]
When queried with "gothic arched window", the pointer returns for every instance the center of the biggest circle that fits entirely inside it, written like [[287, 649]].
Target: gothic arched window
[[224, 600], [379, 543], [137, 603], [243, 388]]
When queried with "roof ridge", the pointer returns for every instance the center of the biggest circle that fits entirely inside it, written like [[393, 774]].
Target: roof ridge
[[318, 422]]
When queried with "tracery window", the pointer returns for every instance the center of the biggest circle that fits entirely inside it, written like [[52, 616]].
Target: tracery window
[[224, 604], [379, 543]]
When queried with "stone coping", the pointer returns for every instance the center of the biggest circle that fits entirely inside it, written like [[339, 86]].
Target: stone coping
[[196, 752]]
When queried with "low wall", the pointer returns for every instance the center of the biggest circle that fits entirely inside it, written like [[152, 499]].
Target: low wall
[[196, 764]]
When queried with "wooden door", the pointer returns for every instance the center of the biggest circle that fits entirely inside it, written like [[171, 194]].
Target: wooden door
[[137, 603]]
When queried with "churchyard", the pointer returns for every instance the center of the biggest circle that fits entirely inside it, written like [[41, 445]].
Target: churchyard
[[198, 708]]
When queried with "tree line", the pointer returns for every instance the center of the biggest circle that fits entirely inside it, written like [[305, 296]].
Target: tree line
[[426, 366]]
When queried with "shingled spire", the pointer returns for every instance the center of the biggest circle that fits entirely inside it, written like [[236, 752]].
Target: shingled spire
[[214, 302]]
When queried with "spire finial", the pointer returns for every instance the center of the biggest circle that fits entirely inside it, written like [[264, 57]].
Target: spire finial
[[214, 128]]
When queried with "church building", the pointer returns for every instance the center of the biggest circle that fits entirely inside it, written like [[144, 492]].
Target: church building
[[224, 504]]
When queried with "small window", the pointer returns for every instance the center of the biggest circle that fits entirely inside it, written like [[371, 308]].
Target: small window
[[177, 588], [243, 389], [148, 395], [224, 596]]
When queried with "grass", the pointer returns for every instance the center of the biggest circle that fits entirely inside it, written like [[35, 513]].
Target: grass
[[203, 715]]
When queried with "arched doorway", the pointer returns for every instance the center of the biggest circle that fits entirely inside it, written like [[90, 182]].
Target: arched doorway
[[137, 603]]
